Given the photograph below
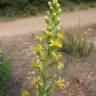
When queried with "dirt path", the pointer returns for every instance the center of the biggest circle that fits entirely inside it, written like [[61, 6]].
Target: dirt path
[[36, 24]]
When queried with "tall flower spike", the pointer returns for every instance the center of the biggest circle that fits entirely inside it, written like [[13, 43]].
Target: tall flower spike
[[47, 53]]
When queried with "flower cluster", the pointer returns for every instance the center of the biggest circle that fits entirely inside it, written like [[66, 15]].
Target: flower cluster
[[47, 55]]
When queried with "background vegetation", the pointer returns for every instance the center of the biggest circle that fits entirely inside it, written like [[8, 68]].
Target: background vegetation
[[5, 69], [29, 7], [77, 45]]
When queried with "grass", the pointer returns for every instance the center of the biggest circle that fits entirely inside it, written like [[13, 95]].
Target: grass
[[77, 45]]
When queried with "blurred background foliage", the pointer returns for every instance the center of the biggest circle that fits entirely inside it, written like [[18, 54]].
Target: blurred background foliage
[[30, 7], [5, 73]]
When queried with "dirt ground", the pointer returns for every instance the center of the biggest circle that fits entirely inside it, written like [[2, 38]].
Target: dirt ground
[[79, 73]]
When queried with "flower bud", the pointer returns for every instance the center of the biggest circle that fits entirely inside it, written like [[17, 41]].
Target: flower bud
[[58, 28], [48, 13], [58, 19], [54, 15], [58, 5], [49, 3], [46, 19], [51, 8], [59, 10]]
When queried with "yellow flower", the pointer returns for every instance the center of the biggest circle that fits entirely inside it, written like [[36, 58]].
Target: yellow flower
[[38, 50], [60, 36], [37, 65], [60, 83], [48, 33], [60, 65], [46, 18], [56, 56], [25, 93], [39, 38], [55, 43], [36, 81]]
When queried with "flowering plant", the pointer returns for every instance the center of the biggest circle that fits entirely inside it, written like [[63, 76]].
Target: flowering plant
[[47, 65]]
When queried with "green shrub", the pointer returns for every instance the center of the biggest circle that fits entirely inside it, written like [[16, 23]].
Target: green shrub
[[4, 74], [84, 46], [77, 45], [29, 7], [22, 7]]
